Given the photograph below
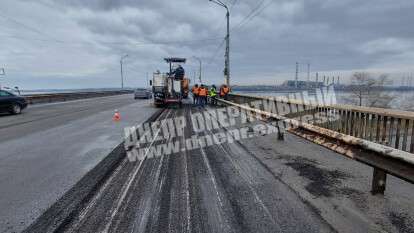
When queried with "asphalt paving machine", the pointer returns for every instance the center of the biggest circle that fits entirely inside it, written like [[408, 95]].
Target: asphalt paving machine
[[167, 87]]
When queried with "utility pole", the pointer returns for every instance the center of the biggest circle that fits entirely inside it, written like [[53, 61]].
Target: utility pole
[[122, 72], [227, 55], [308, 82], [147, 79], [317, 78], [227, 63], [297, 75], [2, 73]]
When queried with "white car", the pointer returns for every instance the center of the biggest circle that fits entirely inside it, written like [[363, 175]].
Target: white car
[[142, 94]]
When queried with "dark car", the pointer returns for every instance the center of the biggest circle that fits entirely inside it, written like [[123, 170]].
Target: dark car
[[142, 94], [11, 103]]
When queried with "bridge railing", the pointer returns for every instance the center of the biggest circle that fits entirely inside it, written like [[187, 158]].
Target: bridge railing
[[376, 137], [393, 128], [61, 97]]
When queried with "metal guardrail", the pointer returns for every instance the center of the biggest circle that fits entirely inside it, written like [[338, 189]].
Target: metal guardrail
[[388, 127], [61, 97], [337, 127]]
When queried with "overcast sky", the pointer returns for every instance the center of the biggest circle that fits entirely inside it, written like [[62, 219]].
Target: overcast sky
[[78, 43]]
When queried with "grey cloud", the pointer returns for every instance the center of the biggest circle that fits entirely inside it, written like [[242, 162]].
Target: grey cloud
[[332, 35]]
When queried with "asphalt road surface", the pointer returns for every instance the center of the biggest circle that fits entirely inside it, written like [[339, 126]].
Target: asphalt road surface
[[48, 148], [213, 189], [258, 184]]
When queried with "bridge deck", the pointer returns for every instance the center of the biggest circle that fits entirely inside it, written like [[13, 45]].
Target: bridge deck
[[48, 148], [256, 185]]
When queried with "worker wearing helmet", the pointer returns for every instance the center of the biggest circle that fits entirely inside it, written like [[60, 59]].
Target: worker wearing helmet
[[212, 94], [195, 91], [179, 72]]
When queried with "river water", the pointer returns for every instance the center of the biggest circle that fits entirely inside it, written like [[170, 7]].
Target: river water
[[400, 100]]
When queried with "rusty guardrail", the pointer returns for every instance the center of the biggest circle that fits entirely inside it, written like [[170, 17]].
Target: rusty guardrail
[[393, 128], [61, 97], [337, 127]]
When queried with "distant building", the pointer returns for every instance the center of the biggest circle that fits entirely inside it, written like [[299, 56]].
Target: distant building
[[302, 84]]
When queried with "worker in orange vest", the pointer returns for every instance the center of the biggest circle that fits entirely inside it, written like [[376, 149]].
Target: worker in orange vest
[[202, 95], [198, 95], [224, 90], [195, 91]]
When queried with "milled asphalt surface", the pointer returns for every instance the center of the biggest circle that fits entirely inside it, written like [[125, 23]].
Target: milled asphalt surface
[[259, 184], [337, 187], [48, 148], [214, 189]]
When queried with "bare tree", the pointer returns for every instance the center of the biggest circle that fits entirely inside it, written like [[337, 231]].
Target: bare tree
[[369, 91], [408, 104]]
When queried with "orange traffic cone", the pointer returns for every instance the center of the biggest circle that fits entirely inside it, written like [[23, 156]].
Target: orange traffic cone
[[117, 116]]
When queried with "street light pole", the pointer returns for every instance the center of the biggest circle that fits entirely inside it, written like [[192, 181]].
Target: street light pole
[[146, 85], [199, 61], [227, 55], [122, 72]]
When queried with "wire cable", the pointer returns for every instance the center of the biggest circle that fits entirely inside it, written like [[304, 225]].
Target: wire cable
[[213, 57], [258, 12], [248, 15]]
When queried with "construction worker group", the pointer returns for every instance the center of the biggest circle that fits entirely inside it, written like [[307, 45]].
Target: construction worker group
[[202, 95]]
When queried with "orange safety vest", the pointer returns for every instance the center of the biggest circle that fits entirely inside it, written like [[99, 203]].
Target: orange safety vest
[[202, 92], [195, 90]]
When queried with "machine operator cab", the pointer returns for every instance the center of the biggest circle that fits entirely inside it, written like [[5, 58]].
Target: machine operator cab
[[168, 88], [174, 80]]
